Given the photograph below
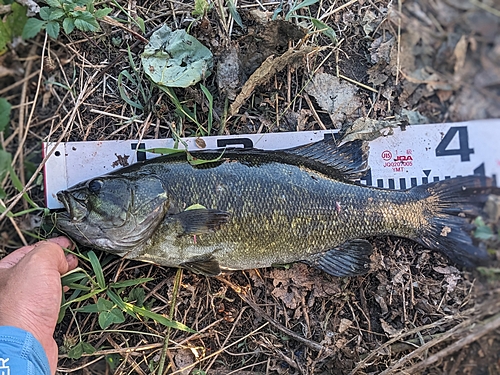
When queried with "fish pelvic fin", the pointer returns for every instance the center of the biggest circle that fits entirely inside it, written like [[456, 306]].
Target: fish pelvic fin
[[205, 265], [455, 201], [348, 161], [352, 258]]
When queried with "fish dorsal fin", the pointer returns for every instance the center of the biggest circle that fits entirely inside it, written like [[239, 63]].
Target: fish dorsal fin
[[352, 258], [200, 220], [206, 265], [348, 161]]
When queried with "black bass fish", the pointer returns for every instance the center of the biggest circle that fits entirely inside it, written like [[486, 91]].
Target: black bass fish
[[253, 209]]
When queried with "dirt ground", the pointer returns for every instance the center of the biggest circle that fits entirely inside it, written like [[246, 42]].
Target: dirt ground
[[414, 313]]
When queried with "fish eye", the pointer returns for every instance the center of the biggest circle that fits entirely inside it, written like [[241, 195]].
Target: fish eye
[[95, 185]]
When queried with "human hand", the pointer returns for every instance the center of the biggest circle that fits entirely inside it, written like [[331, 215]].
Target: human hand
[[30, 290]]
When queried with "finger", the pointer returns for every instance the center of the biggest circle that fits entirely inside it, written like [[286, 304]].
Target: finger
[[13, 258], [64, 242], [72, 261]]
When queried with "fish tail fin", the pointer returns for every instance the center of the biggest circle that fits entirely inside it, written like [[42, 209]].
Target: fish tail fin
[[455, 201]]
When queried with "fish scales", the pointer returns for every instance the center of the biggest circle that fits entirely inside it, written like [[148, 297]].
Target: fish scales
[[276, 209], [255, 209]]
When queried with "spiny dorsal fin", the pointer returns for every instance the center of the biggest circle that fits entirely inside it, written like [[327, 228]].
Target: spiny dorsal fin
[[349, 161]]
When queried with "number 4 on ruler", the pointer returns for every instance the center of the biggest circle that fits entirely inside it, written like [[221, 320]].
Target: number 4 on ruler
[[463, 140]]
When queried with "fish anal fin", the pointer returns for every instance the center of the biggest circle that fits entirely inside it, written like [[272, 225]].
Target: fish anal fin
[[352, 258], [207, 266], [201, 221]]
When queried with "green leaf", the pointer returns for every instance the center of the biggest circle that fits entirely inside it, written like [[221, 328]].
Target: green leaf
[[89, 5], [32, 27], [5, 108], [162, 150], [140, 23], [87, 348], [82, 347], [298, 6], [100, 13], [106, 318], [85, 23], [113, 361], [45, 13], [52, 28], [137, 296], [175, 59], [85, 296], [96, 266], [76, 351], [92, 308], [4, 37], [73, 278], [210, 98], [55, 14], [484, 233], [127, 283], [68, 25], [123, 94], [54, 3], [104, 305], [325, 29], [195, 161], [234, 13], [195, 206], [200, 8], [159, 318], [17, 19]]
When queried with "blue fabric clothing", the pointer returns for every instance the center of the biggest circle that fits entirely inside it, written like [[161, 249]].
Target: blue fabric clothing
[[21, 353]]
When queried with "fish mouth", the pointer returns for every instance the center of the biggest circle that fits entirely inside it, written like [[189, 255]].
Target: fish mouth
[[76, 210]]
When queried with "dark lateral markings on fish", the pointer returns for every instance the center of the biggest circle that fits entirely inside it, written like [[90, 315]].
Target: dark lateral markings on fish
[[260, 208]]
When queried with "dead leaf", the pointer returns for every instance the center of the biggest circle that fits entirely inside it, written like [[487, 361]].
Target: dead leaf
[[229, 72], [184, 358], [369, 129], [391, 331], [269, 67], [337, 97], [344, 325], [460, 52]]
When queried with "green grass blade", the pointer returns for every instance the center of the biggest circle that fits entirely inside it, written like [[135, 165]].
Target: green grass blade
[[210, 98], [96, 266], [234, 13], [127, 283]]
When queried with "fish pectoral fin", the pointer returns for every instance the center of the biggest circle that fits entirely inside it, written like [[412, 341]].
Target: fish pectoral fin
[[207, 266], [352, 258], [201, 221]]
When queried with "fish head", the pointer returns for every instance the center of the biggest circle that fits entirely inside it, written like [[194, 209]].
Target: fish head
[[113, 213]]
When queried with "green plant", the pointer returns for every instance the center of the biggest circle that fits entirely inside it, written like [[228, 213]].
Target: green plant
[[317, 24], [71, 14], [110, 306], [11, 26]]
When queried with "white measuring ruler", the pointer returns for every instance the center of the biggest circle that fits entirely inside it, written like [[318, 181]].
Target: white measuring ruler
[[414, 156]]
